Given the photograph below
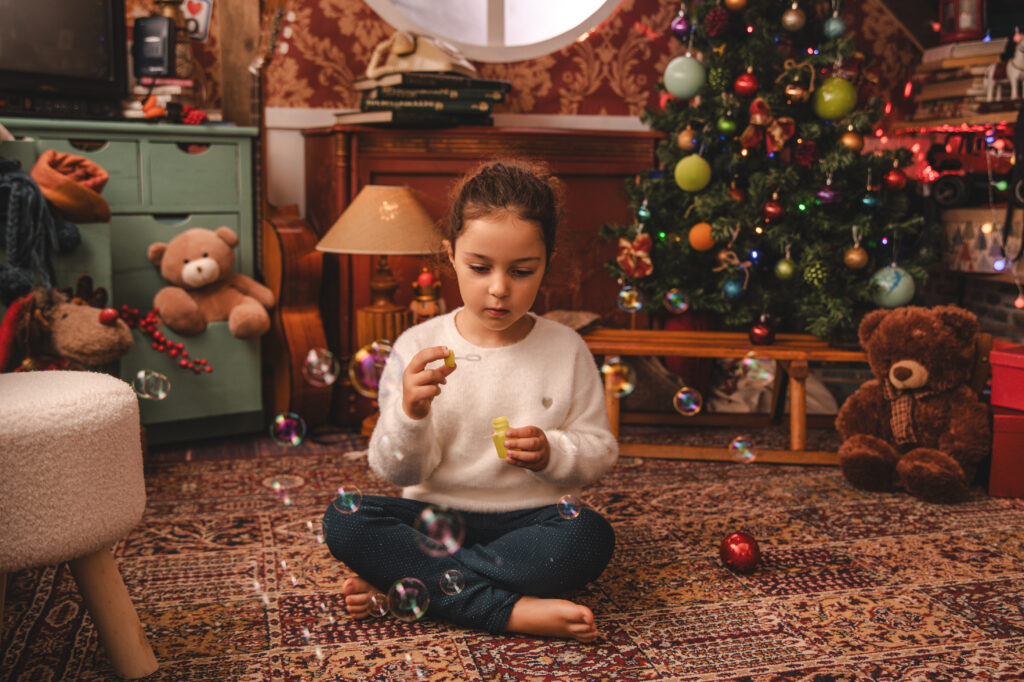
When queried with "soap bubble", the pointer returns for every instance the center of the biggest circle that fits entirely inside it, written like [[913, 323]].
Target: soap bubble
[[569, 506], [367, 366], [619, 377], [676, 301], [288, 429], [630, 299], [758, 370], [742, 449], [390, 447], [687, 401], [452, 582], [440, 531], [378, 604], [151, 385], [348, 499], [321, 368], [408, 599], [391, 378]]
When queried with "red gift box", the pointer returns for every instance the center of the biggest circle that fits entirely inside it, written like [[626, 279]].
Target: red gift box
[[1007, 375], [1007, 475]]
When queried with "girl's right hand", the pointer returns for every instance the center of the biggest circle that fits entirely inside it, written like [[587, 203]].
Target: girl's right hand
[[421, 385]]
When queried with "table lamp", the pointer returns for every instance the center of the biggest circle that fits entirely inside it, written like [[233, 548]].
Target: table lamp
[[382, 220]]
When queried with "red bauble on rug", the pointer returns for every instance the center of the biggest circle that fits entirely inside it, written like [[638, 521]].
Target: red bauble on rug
[[739, 552]]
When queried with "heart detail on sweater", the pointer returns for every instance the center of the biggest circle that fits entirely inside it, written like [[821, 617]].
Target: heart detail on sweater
[[546, 402]]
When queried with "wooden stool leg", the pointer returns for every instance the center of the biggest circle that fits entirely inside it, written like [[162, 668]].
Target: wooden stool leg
[[798, 372], [117, 623], [611, 403]]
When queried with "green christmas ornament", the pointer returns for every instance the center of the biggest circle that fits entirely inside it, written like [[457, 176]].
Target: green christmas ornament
[[726, 125], [816, 275], [835, 98], [785, 268], [684, 77], [692, 173]]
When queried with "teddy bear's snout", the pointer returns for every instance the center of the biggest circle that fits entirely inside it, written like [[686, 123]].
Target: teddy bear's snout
[[200, 272], [908, 374]]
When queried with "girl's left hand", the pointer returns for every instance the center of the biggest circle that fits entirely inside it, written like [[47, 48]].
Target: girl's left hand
[[527, 447]]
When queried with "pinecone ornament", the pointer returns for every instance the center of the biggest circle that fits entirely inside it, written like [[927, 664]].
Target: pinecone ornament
[[716, 21], [815, 274], [718, 79]]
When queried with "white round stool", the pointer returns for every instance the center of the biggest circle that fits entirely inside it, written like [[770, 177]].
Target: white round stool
[[71, 486]]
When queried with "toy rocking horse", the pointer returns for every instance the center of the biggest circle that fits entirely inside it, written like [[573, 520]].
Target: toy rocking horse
[[1013, 64]]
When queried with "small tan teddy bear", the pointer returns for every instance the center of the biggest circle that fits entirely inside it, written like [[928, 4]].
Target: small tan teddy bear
[[198, 263]]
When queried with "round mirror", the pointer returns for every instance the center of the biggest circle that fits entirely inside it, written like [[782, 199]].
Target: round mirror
[[498, 30]]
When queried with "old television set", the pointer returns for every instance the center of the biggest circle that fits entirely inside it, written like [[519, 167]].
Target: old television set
[[63, 58]]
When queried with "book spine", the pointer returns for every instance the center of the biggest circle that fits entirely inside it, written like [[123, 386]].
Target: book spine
[[448, 106], [393, 92], [418, 79]]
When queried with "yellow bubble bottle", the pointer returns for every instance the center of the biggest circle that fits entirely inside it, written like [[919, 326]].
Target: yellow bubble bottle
[[500, 427]]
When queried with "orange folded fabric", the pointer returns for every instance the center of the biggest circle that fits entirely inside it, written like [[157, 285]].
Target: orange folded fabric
[[72, 184]]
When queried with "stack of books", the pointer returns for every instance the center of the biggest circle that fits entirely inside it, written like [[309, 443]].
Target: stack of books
[[426, 99], [951, 80], [160, 91]]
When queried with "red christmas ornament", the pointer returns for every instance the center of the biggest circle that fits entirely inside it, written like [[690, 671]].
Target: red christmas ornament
[[745, 85], [716, 21], [806, 153], [737, 194], [739, 552], [895, 180], [762, 333], [773, 210], [665, 98]]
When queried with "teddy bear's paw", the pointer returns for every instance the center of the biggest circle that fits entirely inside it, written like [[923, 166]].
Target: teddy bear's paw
[[932, 476], [868, 463], [248, 320]]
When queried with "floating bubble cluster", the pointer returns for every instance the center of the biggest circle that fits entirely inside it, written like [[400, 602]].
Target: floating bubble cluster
[[348, 500], [742, 449], [321, 368], [687, 401], [408, 599], [569, 506], [288, 429], [151, 385], [620, 378], [452, 582], [367, 365], [441, 531]]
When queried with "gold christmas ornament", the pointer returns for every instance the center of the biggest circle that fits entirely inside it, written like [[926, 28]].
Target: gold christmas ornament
[[793, 19], [687, 139], [852, 140], [736, 5], [855, 258], [797, 92]]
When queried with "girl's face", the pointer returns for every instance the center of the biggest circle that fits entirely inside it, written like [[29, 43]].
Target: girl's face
[[499, 263]]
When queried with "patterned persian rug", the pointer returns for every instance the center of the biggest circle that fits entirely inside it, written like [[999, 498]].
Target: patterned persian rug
[[231, 582]]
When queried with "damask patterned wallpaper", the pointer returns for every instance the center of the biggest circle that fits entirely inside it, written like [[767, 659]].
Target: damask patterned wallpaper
[[614, 71]]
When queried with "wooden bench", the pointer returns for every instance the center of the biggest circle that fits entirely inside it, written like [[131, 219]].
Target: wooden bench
[[793, 353]]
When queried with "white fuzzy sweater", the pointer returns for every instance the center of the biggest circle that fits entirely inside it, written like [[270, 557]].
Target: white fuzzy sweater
[[548, 379]]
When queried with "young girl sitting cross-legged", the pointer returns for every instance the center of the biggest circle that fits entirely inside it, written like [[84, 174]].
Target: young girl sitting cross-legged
[[435, 433]]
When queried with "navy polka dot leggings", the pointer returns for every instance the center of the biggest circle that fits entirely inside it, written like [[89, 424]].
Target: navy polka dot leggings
[[503, 556]]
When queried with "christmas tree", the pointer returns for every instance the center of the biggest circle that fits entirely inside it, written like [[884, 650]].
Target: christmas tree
[[766, 205]]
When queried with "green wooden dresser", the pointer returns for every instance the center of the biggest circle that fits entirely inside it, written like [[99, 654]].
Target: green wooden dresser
[[164, 179]]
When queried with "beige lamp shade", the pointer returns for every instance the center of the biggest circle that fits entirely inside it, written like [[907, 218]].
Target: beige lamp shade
[[382, 220]]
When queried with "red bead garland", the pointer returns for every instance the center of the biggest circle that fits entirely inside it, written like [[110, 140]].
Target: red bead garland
[[148, 326]]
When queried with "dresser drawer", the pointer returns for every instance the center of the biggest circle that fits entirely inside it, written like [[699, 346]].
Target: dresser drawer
[[232, 387], [202, 181], [120, 158], [92, 257], [136, 280]]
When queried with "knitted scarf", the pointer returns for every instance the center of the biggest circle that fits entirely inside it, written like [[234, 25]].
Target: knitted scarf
[[28, 234]]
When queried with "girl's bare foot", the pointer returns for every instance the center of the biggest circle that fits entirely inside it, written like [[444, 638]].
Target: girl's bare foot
[[357, 596], [552, 618]]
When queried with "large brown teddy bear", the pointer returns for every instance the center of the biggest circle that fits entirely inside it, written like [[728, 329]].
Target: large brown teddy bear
[[917, 424], [198, 263]]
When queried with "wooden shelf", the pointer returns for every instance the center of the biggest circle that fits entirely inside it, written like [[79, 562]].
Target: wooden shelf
[[970, 119]]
